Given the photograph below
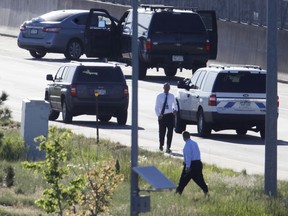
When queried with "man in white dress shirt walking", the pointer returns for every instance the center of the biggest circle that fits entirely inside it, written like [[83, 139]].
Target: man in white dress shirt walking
[[192, 165], [165, 110]]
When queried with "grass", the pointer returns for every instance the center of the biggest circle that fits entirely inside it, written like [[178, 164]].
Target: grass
[[231, 193]]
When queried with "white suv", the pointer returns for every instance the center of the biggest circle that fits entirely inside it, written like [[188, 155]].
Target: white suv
[[223, 97]]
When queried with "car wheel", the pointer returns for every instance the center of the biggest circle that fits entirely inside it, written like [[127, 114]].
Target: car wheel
[[180, 124], [170, 71], [74, 50], [203, 128], [241, 131], [142, 70], [104, 118], [66, 114], [122, 117], [37, 54], [53, 115]]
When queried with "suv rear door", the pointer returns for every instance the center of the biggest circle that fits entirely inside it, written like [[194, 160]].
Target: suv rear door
[[101, 34], [241, 93], [210, 20]]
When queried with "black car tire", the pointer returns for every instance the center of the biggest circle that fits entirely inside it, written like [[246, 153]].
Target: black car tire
[[122, 117], [66, 114], [74, 50], [37, 54], [170, 71], [53, 115], [104, 118], [203, 128], [180, 125], [241, 131]]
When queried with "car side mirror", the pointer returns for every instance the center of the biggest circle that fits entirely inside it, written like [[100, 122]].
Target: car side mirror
[[49, 77], [182, 84]]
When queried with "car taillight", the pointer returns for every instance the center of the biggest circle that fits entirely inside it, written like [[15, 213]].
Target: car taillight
[[73, 90], [52, 29], [212, 100], [126, 92], [148, 44], [207, 45], [22, 28]]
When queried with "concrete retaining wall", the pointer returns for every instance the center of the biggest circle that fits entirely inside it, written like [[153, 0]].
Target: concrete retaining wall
[[237, 43]]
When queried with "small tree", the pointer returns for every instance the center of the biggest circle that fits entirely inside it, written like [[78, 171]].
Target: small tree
[[101, 182], [60, 195], [5, 113]]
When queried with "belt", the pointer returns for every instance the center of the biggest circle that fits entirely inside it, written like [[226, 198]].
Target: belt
[[168, 113]]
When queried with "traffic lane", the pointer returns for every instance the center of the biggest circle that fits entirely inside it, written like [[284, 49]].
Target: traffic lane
[[237, 154]]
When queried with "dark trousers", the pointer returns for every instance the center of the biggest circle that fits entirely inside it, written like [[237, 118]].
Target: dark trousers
[[166, 123], [195, 174]]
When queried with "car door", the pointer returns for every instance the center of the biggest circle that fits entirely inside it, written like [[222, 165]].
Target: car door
[[55, 89], [101, 35], [196, 96], [210, 21]]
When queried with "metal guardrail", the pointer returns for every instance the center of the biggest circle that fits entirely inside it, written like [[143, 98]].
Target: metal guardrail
[[252, 12]]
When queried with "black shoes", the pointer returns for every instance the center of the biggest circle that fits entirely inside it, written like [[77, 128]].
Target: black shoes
[[161, 148], [168, 151]]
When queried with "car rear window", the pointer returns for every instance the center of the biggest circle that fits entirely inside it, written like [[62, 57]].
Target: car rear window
[[99, 74], [55, 16], [245, 82], [177, 23]]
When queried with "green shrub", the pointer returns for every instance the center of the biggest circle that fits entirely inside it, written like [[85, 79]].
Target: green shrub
[[12, 148]]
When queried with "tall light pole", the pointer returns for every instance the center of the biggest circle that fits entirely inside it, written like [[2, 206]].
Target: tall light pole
[[270, 185], [134, 193]]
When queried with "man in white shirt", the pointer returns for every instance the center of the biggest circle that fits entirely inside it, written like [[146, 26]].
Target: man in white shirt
[[165, 110], [192, 165]]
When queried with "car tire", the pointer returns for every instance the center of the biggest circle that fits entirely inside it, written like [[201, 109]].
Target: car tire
[[122, 117], [37, 54], [142, 70], [104, 118], [203, 128], [170, 71], [66, 114], [180, 124], [53, 115], [74, 50], [241, 131]]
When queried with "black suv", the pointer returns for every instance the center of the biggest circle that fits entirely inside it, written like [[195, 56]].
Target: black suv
[[168, 38], [77, 87]]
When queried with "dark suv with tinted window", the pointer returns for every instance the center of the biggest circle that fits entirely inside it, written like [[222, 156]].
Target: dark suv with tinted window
[[170, 38], [77, 87]]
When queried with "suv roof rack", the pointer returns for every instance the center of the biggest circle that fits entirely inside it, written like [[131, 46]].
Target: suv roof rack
[[155, 7], [228, 66], [216, 66]]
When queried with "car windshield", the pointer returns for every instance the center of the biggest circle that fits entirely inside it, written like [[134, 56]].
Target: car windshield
[[99, 74], [243, 82], [177, 23]]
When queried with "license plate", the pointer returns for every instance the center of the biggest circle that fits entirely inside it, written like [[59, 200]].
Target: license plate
[[34, 31], [100, 91], [245, 104], [177, 58]]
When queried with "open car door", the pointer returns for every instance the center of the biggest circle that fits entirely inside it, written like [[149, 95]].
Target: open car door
[[210, 20], [101, 35]]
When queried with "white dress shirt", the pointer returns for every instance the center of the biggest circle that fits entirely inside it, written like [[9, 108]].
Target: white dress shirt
[[170, 105], [191, 152]]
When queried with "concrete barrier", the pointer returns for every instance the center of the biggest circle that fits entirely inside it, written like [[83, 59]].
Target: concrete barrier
[[237, 43]]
